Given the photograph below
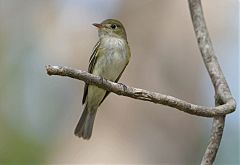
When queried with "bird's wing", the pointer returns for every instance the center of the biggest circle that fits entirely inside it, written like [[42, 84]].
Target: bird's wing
[[92, 62], [107, 93]]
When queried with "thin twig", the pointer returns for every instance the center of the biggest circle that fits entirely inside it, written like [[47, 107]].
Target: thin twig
[[142, 94], [222, 91]]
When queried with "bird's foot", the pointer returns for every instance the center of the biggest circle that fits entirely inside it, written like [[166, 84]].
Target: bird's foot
[[124, 87]]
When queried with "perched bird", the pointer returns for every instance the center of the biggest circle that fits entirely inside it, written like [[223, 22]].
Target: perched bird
[[109, 58]]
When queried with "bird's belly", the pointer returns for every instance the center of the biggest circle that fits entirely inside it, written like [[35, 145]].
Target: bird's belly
[[111, 65], [108, 66]]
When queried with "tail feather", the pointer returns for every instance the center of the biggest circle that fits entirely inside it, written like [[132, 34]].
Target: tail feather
[[85, 125]]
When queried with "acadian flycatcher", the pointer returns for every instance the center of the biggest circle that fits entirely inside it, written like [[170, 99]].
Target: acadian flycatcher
[[109, 58]]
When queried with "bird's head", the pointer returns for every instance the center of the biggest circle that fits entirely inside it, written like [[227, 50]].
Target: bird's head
[[111, 28]]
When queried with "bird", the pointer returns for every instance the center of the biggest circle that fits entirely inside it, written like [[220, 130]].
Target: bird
[[109, 58]]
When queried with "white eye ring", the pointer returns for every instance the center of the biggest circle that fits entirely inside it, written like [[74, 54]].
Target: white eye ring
[[113, 26]]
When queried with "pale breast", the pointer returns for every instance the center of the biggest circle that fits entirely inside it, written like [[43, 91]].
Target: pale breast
[[114, 59]]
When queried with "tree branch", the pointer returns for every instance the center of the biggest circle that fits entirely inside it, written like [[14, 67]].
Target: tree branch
[[141, 94], [222, 91]]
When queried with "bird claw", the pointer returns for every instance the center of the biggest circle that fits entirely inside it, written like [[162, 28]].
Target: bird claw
[[124, 87], [101, 78]]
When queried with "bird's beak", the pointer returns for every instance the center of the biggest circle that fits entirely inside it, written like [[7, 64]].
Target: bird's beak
[[98, 25]]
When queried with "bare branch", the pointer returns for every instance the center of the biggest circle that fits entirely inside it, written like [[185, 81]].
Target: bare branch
[[215, 140], [222, 91], [141, 94]]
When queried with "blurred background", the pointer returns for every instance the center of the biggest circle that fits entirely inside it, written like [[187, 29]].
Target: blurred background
[[38, 113]]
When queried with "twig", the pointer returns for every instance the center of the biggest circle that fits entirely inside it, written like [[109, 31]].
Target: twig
[[222, 91], [142, 94]]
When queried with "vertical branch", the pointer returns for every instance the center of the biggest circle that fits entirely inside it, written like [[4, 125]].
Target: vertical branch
[[215, 140], [222, 92]]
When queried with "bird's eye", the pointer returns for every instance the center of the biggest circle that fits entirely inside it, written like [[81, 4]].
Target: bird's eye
[[113, 26]]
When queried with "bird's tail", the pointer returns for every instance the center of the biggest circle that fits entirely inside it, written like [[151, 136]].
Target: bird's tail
[[85, 125]]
